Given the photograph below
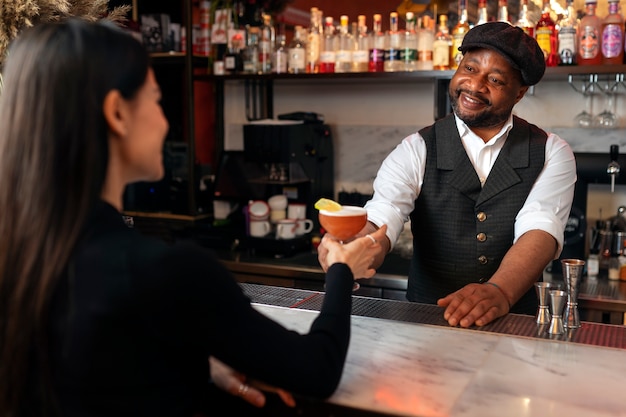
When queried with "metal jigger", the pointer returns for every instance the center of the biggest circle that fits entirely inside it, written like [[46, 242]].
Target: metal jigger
[[557, 297], [543, 296], [572, 276]]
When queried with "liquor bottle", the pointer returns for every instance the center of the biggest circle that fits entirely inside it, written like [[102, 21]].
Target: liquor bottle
[[613, 35], [546, 35], [590, 36], [360, 55], [425, 40], [296, 63], [593, 264], [503, 11], [280, 56], [267, 41], [483, 17], [345, 46], [233, 60], [327, 52], [442, 45], [458, 33], [567, 35], [377, 46], [523, 20], [251, 53], [408, 53], [392, 61], [313, 42]]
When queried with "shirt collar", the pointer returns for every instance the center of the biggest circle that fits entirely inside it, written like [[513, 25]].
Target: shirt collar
[[466, 133]]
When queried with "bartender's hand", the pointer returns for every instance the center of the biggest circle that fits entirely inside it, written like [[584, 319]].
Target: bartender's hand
[[358, 254], [379, 255], [477, 304], [237, 384]]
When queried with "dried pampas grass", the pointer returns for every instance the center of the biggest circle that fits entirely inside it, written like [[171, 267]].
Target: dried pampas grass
[[16, 15]]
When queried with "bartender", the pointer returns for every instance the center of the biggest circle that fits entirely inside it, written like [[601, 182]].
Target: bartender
[[488, 194]]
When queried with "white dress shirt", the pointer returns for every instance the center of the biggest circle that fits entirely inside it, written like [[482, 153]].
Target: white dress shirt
[[399, 181]]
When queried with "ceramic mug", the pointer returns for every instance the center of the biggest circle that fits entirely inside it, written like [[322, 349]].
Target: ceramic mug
[[260, 228], [277, 215], [258, 210], [296, 211], [286, 228], [277, 202], [304, 226]]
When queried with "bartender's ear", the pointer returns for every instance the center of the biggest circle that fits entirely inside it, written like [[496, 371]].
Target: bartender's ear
[[520, 94], [114, 109]]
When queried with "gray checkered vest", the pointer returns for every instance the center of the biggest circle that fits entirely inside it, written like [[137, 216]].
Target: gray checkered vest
[[461, 231]]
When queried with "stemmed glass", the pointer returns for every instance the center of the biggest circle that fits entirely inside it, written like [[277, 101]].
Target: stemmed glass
[[608, 117], [344, 224], [585, 117]]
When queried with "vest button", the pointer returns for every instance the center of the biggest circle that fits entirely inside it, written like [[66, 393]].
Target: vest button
[[482, 259], [481, 237], [481, 216]]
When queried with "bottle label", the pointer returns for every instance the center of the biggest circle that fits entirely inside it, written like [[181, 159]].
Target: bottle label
[[457, 55], [408, 55], [441, 54], [327, 56], [313, 47], [377, 55], [567, 45], [611, 41], [360, 55], [343, 56], [543, 39], [425, 55], [392, 54], [589, 46], [296, 58]]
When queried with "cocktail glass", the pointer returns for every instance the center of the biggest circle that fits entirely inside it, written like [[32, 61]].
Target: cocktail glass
[[344, 224]]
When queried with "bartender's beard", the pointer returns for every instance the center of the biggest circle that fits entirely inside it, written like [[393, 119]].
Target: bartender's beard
[[484, 119]]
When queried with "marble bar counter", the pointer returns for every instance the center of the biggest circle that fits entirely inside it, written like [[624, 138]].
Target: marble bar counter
[[404, 360], [600, 299]]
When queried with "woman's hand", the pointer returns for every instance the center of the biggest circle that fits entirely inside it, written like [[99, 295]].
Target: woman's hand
[[359, 254], [237, 384]]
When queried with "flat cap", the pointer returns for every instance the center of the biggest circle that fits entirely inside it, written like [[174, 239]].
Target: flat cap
[[522, 51]]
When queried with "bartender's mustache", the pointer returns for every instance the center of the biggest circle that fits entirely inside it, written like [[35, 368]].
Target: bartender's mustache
[[474, 95]]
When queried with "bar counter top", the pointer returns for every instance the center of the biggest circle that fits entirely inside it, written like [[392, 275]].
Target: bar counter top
[[600, 299], [404, 360]]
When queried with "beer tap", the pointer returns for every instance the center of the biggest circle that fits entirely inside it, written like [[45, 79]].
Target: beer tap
[[613, 168]]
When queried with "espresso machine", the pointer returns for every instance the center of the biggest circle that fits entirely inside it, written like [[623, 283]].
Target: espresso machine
[[591, 168], [285, 157]]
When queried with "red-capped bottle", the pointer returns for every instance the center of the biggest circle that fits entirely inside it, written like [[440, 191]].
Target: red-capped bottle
[[546, 35]]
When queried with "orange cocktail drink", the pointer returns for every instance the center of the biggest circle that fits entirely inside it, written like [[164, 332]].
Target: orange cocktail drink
[[345, 223]]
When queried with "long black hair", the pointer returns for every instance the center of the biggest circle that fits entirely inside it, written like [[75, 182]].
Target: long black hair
[[53, 161]]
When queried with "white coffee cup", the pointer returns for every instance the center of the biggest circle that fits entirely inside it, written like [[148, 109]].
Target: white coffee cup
[[286, 228], [258, 210], [277, 202], [277, 215], [260, 228], [304, 226], [296, 211]]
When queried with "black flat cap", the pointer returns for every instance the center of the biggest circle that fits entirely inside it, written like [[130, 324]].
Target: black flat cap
[[521, 50]]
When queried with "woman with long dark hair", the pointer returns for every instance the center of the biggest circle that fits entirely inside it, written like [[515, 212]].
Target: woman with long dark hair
[[96, 319]]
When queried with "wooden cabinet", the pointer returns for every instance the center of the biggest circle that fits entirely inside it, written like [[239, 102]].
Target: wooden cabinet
[[189, 150]]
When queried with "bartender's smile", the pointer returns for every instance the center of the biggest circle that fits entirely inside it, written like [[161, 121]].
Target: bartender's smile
[[471, 100]]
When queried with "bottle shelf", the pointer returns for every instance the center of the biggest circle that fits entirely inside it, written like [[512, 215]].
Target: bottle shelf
[[552, 74]]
